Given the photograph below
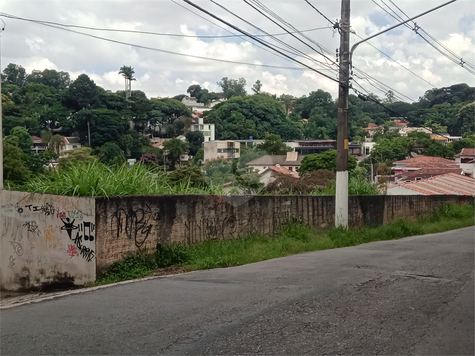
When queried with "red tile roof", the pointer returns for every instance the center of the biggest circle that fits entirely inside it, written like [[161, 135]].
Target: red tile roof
[[446, 184], [371, 126], [426, 159], [468, 152], [283, 170]]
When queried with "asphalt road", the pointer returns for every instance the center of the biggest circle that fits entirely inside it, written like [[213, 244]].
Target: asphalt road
[[411, 296]]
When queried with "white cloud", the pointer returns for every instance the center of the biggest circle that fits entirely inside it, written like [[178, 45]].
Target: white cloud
[[159, 74]]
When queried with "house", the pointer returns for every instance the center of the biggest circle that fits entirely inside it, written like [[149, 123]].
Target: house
[[466, 161], [291, 161], [308, 147], [69, 143], [446, 184], [221, 149], [371, 129], [38, 145], [422, 167], [193, 104], [208, 130], [271, 173]]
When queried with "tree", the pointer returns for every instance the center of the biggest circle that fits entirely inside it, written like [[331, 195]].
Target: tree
[[82, 94], [25, 142], [14, 74], [253, 115], [188, 174], [109, 151], [233, 87], [274, 145], [175, 148], [390, 97], [256, 88], [195, 139], [54, 142], [76, 155], [387, 150], [288, 102], [325, 160], [179, 97], [51, 78], [128, 73], [14, 168], [105, 125], [194, 90]]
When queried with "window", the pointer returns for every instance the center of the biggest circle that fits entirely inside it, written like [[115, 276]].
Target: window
[[418, 178], [220, 150]]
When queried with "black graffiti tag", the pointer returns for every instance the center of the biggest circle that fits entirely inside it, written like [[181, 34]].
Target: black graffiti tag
[[32, 227], [69, 226], [137, 224], [17, 248]]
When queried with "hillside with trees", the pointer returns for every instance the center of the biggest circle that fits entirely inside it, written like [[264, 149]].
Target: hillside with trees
[[49, 104]]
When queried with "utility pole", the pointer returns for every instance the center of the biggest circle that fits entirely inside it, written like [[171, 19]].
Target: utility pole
[[341, 195]]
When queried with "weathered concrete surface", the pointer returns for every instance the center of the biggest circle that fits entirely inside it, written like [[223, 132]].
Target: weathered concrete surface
[[128, 224], [46, 241], [412, 296]]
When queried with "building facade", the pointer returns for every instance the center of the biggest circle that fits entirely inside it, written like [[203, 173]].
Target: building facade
[[208, 130], [228, 150]]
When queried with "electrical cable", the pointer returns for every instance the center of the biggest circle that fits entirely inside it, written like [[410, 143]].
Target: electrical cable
[[332, 22], [258, 40], [395, 61], [159, 33], [278, 40], [244, 37], [397, 17], [432, 37], [164, 51], [280, 19]]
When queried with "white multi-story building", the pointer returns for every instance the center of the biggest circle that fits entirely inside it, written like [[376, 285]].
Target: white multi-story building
[[207, 130]]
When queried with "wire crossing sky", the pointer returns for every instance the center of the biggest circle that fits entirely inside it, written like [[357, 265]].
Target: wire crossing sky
[[172, 48]]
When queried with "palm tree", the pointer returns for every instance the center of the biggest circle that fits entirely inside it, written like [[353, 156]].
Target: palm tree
[[128, 73]]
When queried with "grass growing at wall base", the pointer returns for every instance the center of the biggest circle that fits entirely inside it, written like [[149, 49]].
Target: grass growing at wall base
[[293, 238]]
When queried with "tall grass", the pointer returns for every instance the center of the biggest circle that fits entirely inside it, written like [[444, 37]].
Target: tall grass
[[356, 186], [292, 239], [97, 179]]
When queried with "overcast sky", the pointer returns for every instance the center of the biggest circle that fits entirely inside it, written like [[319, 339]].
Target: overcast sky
[[158, 74]]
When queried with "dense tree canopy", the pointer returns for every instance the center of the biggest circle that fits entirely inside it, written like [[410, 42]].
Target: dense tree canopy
[[47, 103]]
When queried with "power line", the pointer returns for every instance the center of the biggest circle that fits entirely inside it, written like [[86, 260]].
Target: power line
[[373, 82], [432, 37], [244, 37], [332, 22], [280, 19], [158, 49], [282, 28], [370, 97], [395, 61], [258, 40], [293, 50], [160, 33], [451, 57]]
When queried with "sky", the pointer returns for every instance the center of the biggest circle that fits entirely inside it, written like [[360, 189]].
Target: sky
[[159, 74]]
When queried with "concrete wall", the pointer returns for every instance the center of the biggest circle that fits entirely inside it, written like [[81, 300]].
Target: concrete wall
[[46, 240], [126, 225]]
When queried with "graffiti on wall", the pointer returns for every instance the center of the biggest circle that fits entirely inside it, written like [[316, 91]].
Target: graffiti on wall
[[44, 232], [136, 223]]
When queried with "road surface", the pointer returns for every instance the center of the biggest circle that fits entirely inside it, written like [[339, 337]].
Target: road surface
[[410, 296]]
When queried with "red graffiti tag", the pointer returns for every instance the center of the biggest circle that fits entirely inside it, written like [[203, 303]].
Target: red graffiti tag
[[61, 215], [73, 251]]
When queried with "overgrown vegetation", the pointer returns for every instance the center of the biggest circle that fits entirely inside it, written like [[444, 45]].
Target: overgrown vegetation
[[97, 179], [293, 238]]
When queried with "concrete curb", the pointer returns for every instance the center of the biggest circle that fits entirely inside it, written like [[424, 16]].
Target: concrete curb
[[10, 303]]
